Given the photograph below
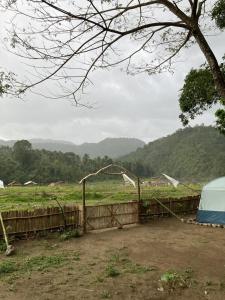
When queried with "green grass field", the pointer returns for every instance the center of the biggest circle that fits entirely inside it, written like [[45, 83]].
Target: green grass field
[[96, 193]]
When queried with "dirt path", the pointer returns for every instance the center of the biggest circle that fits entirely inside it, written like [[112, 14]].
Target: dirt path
[[120, 264]]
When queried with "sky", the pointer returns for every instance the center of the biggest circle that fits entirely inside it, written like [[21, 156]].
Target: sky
[[142, 106]]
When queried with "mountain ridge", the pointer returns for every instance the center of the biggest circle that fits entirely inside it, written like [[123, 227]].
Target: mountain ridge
[[190, 153], [111, 147]]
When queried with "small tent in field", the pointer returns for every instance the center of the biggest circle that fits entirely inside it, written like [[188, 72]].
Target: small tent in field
[[30, 182], [1, 184], [212, 202]]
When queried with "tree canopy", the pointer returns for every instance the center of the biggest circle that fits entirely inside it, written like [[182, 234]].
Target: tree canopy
[[199, 91], [22, 163], [196, 153], [218, 13]]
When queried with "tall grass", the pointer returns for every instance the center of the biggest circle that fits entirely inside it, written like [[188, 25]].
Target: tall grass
[[99, 192]]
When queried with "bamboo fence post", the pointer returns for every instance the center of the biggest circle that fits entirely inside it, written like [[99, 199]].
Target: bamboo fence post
[[139, 200], [84, 207], [63, 213]]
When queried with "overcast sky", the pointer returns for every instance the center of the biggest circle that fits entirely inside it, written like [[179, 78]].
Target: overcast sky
[[144, 107]]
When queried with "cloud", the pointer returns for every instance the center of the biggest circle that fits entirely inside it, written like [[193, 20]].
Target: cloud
[[139, 106]]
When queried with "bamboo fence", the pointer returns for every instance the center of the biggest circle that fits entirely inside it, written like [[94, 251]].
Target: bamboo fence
[[25, 222], [22, 222], [151, 209], [111, 215]]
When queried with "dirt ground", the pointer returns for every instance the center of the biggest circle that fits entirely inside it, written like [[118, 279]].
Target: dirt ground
[[164, 259]]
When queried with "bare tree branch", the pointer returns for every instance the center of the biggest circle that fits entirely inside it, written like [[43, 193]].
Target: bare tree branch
[[67, 41]]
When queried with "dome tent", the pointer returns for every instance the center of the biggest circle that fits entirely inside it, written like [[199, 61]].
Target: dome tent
[[212, 202]]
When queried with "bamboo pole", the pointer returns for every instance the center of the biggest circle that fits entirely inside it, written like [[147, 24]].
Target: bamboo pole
[[9, 248], [4, 231], [169, 210], [84, 206], [63, 213], [139, 200]]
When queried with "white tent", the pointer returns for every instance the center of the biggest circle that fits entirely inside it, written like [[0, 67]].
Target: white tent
[[1, 184], [172, 180], [30, 182], [212, 202], [128, 180]]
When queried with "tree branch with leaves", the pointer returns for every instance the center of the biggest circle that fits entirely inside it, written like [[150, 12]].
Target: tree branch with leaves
[[199, 92]]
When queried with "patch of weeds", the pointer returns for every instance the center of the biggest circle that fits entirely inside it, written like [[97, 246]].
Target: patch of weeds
[[127, 265], [169, 276], [115, 257], [45, 195], [222, 285], [76, 256], [112, 271], [12, 278], [40, 263], [7, 267], [139, 269], [119, 257], [2, 246], [208, 283], [70, 234], [105, 295], [172, 280], [99, 279]]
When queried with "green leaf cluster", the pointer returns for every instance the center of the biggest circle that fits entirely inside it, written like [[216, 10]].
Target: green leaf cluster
[[199, 94], [218, 13]]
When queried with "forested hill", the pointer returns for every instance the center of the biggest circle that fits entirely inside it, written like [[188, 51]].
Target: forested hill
[[22, 163], [112, 147], [191, 153]]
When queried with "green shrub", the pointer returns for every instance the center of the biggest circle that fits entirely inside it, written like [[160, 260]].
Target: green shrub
[[7, 267], [2, 246], [40, 263], [173, 280], [111, 271], [105, 295], [70, 234]]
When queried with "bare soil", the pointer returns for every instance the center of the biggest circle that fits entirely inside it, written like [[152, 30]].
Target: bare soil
[[122, 264]]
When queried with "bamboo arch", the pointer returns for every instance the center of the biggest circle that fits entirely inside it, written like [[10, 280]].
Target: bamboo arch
[[103, 170]]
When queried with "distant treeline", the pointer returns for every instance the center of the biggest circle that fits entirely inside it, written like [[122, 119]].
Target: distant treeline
[[192, 154], [22, 163]]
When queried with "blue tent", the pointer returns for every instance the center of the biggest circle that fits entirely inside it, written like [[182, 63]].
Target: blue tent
[[212, 202]]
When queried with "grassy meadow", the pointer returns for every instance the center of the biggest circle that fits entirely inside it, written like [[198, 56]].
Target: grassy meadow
[[13, 198]]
